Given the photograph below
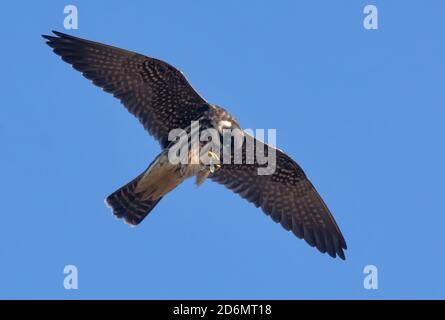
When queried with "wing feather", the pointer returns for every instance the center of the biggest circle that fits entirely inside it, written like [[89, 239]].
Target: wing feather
[[154, 91], [288, 197]]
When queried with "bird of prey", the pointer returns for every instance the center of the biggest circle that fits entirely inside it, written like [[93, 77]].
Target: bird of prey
[[162, 99]]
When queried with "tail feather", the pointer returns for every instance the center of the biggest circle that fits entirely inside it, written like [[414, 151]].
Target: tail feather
[[129, 205]]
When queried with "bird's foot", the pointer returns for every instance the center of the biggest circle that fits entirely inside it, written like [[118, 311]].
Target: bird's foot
[[214, 158]]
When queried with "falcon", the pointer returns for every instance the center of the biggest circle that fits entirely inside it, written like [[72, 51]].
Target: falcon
[[163, 100]]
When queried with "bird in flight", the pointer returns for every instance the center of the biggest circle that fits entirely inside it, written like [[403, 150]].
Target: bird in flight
[[163, 100]]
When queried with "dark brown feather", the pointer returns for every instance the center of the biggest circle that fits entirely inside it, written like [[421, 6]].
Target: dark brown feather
[[154, 91], [288, 197]]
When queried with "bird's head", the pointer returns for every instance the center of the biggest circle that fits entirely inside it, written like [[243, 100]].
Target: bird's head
[[228, 127], [221, 119]]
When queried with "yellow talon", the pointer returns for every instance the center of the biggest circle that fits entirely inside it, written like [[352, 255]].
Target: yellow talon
[[213, 155], [214, 168]]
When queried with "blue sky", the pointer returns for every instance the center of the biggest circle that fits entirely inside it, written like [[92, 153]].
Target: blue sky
[[361, 111]]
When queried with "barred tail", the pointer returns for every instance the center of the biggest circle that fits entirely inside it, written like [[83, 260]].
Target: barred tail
[[128, 205]]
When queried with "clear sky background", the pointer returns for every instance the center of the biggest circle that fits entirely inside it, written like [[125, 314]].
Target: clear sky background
[[362, 112]]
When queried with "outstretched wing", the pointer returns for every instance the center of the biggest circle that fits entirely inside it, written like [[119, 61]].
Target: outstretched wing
[[155, 92], [287, 196]]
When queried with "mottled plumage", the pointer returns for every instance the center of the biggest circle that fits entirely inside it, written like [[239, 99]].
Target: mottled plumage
[[287, 196], [162, 99]]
